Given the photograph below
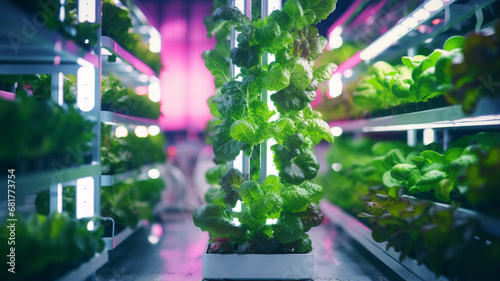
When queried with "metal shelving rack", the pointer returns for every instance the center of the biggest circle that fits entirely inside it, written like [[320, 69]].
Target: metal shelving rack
[[487, 114], [408, 269], [126, 67], [131, 72], [47, 51], [116, 240], [139, 174]]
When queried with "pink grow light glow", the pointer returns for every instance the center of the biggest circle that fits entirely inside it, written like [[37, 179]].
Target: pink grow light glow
[[186, 84]]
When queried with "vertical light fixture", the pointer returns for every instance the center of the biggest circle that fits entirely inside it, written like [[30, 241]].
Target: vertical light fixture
[[267, 164], [154, 89], [85, 88], [86, 10], [84, 197], [429, 136], [59, 198], [241, 159], [154, 40]]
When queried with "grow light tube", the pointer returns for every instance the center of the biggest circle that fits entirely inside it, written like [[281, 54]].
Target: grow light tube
[[419, 15], [490, 120], [84, 197], [241, 162], [267, 166], [85, 88]]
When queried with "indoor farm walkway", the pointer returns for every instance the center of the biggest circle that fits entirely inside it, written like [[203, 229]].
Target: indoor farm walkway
[[177, 255]]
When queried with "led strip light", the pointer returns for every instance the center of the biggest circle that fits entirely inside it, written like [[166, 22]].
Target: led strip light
[[421, 14]]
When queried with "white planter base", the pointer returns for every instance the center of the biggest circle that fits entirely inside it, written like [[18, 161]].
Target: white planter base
[[258, 266]]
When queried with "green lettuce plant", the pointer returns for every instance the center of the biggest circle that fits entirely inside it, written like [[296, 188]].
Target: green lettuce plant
[[276, 213], [49, 246], [380, 181]]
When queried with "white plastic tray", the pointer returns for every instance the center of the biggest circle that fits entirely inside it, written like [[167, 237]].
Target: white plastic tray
[[258, 266]]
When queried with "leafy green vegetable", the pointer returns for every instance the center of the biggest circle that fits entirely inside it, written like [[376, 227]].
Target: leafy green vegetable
[[131, 201], [216, 219], [38, 129], [225, 147], [217, 65], [51, 246], [214, 174], [231, 14], [324, 73], [245, 121], [117, 98], [117, 24]]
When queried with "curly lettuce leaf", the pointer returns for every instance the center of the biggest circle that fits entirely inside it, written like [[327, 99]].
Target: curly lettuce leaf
[[308, 44], [311, 217], [230, 183], [225, 147], [315, 191], [276, 78], [244, 131], [292, 99], [214, 174], [246, 58], [318, 129], [231, 107], [295, 166], [301, 73], [217, 65], [294, 10], [324, 73], [271, 184], [295, 198], [321, 8], [230, 14], [217, 220], [288, 229], [300, 246]]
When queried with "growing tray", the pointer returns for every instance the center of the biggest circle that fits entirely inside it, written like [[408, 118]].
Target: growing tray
[[257, 266]]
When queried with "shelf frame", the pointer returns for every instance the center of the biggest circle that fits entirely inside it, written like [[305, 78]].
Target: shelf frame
[[117, 240], [128, 68], [140, 174], [35, 182], [486, 114], [7, 96], [112, 118], [453, 13], [37, 45]]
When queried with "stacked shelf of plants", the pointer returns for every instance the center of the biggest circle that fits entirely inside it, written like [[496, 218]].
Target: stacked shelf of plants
[[132, 145], [412, 175], [76, 181], [48, 142]]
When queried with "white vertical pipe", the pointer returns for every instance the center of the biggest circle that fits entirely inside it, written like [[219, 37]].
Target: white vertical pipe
[[267, 166], [242, 162], [57, 87]]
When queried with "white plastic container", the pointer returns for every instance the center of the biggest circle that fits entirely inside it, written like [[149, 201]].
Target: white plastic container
[[258, 266]]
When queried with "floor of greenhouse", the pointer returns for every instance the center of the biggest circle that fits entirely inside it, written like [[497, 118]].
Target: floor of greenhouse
[[178, 255]]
